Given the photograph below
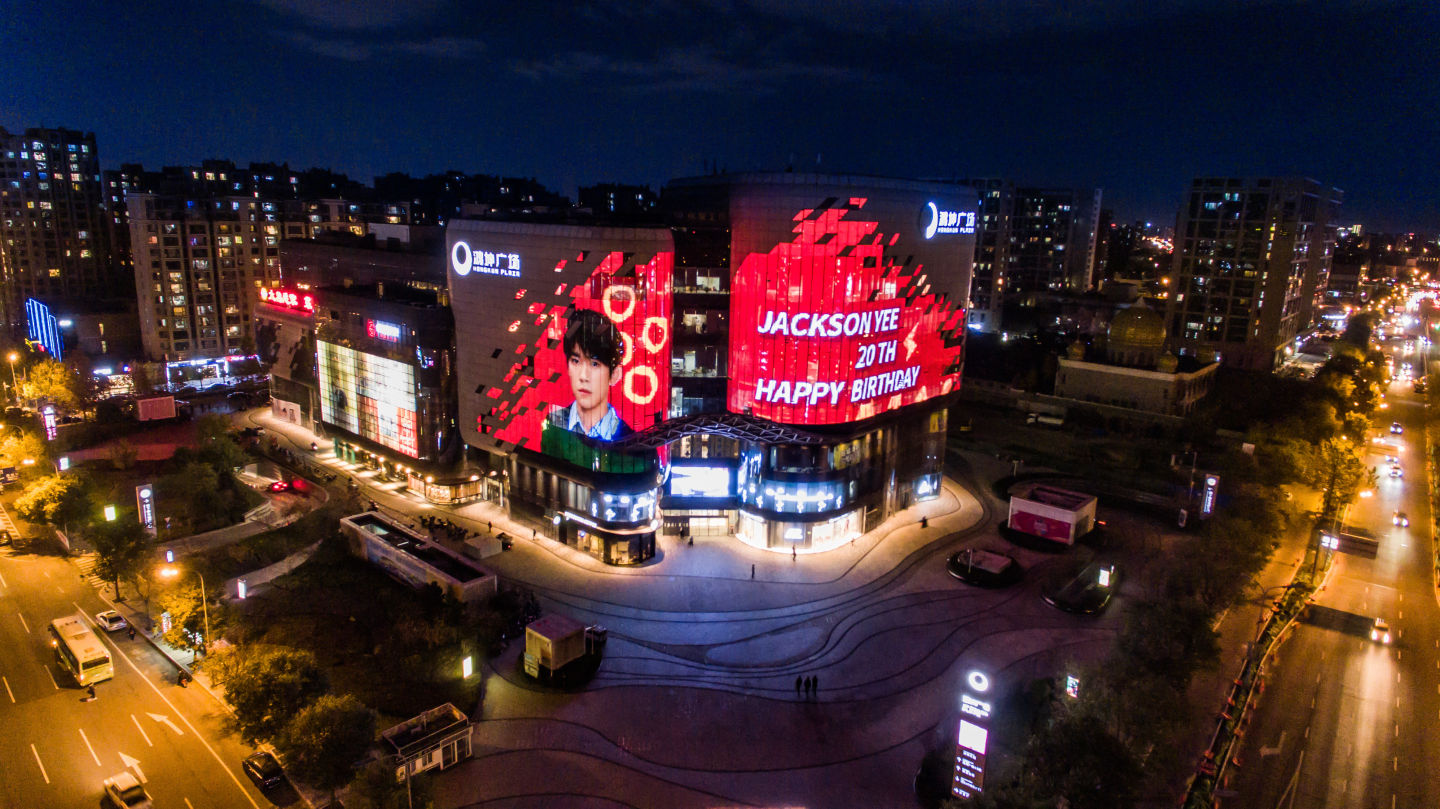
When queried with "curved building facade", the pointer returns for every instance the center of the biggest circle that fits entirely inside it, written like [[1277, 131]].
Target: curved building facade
[[774, 363]]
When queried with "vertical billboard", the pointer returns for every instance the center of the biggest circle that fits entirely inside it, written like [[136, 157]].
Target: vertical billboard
[[370, 396], [562, 334], [843, 306]]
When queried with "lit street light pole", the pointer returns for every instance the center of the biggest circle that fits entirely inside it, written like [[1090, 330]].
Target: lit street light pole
[[170, 571], [12, 357]]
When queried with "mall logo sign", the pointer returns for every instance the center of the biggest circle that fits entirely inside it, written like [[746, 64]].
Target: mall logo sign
[[939, 222], [466, 261]]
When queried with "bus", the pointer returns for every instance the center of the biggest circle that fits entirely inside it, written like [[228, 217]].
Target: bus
[[80, 651]]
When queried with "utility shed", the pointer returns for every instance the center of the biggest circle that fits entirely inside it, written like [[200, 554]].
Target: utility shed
[[551, 642]]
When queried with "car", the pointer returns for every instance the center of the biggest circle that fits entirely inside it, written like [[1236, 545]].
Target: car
[[1380, 632], [264, 770], [280, 486], [1391, 459], [1400, 519], [1396, 472], [1396, 428], [5, 538], [111, 621], [124, 791]]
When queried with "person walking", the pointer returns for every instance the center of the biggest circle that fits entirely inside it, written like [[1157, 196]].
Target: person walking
[[924, 522], [794, 554], [752, 575], [807, 686], [132, 633], [91, 691], [815, 686], [797, 685]]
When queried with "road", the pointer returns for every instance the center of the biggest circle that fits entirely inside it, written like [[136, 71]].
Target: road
[[1345, 721], [57, 749]]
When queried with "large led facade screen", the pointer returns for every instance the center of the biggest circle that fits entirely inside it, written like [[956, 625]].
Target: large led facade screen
[[844, 307], [562, 335], [372, 397]]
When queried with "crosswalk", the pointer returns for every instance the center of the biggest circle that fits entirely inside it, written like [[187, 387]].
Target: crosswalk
[[8, 524], [87, 561]]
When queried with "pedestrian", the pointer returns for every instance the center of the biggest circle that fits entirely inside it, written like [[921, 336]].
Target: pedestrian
[[807, 686], [490, 526], [132, 633], [752, 575], [797, 685], [815, 686], [924, 522], [532, 533], [794, 554], [91, 691]]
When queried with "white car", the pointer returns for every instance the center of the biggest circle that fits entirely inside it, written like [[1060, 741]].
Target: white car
[[1380, 632], [110, 620], [1395, 471], [1400, 519], [124, 792]]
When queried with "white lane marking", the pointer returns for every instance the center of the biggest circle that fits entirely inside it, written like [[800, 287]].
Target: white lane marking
[[86, 739], [51, 675], [2, 581], [166, 700], [58, 590], [1397, 730], [187, 803], [22, 623], [133, 764], [46, 573], [12, 693], [39, 762], [143, 734], [165, 720]]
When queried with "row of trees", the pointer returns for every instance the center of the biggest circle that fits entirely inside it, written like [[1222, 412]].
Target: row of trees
[[282, 696], [1114, 744]]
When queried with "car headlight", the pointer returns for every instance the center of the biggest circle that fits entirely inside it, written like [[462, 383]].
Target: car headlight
[[1387, 637]]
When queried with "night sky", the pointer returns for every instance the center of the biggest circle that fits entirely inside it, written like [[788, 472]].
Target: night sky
[[1136, 96]]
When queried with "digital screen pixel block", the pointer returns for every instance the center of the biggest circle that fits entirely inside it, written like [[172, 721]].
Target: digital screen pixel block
[[841, 318], [563, 335], [372, 397]]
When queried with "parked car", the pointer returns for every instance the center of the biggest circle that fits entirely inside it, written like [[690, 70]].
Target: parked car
[[123, 790], [264, 770], [1380, 632], [1088, 592], [110, 620]]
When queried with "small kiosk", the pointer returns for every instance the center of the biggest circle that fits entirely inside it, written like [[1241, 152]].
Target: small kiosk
[[552, 642], [1052, 513], [440, 737]]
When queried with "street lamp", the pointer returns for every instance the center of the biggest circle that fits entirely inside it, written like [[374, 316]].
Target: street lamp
[[170, 572]]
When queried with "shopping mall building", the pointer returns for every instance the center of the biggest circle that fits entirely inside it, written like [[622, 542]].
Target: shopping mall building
[[774, 362]]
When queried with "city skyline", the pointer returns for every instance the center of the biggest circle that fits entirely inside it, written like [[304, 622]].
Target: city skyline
[[1137, 99]]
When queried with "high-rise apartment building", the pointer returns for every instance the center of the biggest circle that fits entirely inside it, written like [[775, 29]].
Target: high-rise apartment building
[[54, 233], [1251, 262], [1031, 241], [197, 263]]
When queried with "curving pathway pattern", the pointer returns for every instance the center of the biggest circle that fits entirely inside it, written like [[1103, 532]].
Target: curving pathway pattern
[[695, 704]]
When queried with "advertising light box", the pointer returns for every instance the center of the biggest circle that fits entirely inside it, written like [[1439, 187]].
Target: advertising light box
[[846, 307], [372, 397], [562, 333], [702, 481]]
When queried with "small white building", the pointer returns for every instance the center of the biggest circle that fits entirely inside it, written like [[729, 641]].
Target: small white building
[[1052, 513]]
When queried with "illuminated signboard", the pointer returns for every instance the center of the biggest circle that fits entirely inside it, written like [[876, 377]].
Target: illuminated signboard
[[842, 312], [466, 260], [973, 737], [701, 481], [372, 397], [1207, 499], [939, 222], [145, 505], [43, 328], [287, 299], [51, 422], [564, 362], [381, 330]]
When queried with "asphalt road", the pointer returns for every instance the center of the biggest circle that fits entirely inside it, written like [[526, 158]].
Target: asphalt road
[[1345, 721], [56, 750]]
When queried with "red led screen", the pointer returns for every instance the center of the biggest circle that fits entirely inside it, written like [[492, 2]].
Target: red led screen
[[841, 323], [561, 354]]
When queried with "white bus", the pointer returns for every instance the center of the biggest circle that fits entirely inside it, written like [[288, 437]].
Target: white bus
[[79, 650]]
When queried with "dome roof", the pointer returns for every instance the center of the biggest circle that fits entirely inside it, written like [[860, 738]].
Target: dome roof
[[1137, 327]]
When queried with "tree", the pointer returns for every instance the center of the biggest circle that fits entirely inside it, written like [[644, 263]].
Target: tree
[[217, 448], [123, 548], [324, 741], [1338, 472], [20, 445], [50, 379], [182, 600], [1078, 759], [123, 455], [272, 686], [194, 487], [58, 500], [376, 787]]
